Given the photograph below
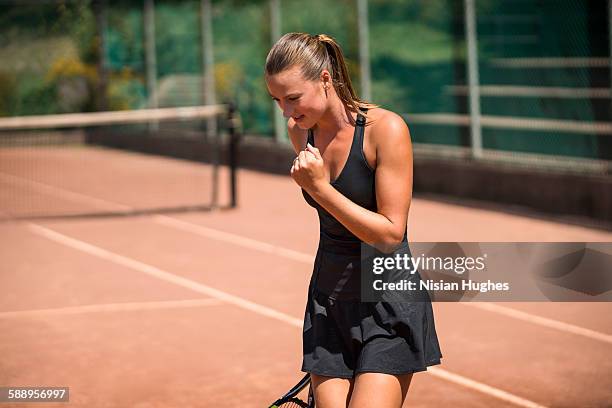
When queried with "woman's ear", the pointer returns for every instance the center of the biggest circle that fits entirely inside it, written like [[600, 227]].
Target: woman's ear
[[326, 77]]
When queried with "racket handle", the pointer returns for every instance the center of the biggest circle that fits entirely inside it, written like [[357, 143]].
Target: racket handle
[[311, 400]]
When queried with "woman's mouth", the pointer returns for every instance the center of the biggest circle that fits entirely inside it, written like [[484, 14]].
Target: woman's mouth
[[297, 119]]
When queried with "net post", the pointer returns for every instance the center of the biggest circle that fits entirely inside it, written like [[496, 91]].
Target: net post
[[234, 138]]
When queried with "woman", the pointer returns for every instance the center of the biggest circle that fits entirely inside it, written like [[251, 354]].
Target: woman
[[354, 165]]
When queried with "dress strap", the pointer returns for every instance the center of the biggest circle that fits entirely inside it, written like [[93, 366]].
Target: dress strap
[[310, 138], [360, 129]]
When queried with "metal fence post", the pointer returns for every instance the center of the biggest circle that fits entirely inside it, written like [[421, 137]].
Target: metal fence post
[[472, 66], [280, 126], [364, 49]]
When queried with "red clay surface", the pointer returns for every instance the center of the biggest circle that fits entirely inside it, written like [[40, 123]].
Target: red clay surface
[[143, 342], [44, 181]]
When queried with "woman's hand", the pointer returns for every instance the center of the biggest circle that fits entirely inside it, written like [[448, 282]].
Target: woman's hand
[[308, 170]]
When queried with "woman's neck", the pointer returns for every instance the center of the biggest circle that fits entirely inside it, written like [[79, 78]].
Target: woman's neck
[[335, 119]]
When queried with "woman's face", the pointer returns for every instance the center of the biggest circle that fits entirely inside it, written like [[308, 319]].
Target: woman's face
[[298, 98]]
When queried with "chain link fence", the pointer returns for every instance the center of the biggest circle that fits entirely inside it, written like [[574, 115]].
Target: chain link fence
[[540, 70]]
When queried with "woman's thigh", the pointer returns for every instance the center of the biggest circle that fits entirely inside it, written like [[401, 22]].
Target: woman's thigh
[[331, 392], [379, 390]]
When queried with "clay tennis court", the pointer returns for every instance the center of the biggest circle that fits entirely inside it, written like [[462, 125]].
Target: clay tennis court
[[204, 309]]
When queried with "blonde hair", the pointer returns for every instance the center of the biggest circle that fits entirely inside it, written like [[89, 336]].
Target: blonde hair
[[313, 54]]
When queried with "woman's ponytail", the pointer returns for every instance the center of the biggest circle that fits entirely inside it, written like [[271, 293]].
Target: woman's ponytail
[[341, 78], [313, 53]]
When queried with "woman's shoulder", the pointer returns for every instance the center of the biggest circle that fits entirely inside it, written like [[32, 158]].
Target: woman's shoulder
[[386, 126]]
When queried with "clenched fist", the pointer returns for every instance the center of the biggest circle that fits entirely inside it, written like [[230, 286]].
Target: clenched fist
[[308, 169]]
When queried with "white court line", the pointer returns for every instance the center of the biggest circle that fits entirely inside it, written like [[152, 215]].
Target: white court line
[[110, 307], [542, 321], [234, 239], [309, 259], [163, 275], [301, 257], [483, 388], [63, 193], [248, 305]]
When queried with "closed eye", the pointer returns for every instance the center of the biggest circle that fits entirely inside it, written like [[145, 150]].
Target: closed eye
[[292, 99]]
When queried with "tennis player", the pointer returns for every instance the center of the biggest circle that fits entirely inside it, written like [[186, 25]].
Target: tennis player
[[354, 165]]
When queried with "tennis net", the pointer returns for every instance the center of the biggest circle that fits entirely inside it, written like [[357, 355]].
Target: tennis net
[[117, 163]]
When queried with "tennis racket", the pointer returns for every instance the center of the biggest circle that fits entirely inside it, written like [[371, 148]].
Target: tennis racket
[[290, 399]]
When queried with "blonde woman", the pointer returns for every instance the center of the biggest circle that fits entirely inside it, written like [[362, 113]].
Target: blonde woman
[[354, 165]]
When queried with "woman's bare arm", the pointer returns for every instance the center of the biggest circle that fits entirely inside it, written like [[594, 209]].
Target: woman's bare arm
[[385, 227], [297, 136]]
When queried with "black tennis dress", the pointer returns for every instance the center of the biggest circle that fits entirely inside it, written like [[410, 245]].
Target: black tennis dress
[[342, 335]]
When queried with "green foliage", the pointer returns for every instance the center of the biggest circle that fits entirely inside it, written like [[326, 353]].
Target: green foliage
[[241, 43], [414, 43], [40, 48], [417, 53], [36, 97], [178, 38], [8, 89], [124, 39]]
